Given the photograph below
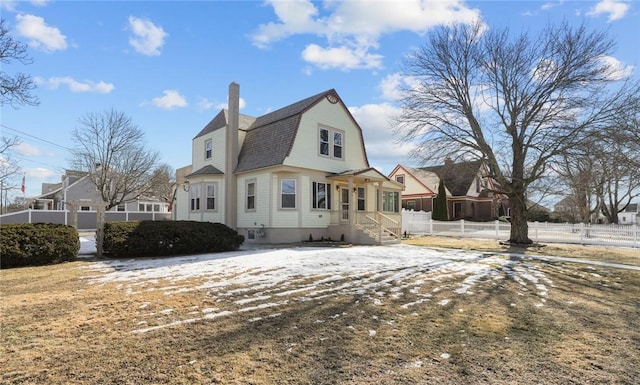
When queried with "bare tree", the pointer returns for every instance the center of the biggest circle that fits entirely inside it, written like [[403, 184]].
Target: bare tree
[[16, 88], [8, 164], [162, 182], [111, 148], [516, 102]]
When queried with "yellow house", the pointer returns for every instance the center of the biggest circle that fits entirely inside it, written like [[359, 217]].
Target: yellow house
[[296, 173]]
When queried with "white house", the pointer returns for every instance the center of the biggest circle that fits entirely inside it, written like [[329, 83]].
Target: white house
[[630, 215], [296, 173]]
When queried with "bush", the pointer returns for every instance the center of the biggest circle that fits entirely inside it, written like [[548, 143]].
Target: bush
[[162, 238], [35, 244]]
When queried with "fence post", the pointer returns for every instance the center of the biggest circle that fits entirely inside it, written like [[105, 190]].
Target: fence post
[[462, 226], [635, 234], [430, 226], [535, 226], [497, 226]]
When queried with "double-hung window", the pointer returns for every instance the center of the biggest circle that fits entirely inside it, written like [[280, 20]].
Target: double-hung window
[[321, 195], [331, 143], [288, 193], [251, 195], [194, 192], [211, 197], [208, 149], [361, 199], [391, 201]]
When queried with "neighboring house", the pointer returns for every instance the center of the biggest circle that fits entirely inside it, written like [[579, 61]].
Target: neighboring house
[[630, 215], [469, 191], [296, 173], [77, 187]]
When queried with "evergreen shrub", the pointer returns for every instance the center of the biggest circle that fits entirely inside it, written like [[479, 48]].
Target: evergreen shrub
[[164, 238], [35, 244]]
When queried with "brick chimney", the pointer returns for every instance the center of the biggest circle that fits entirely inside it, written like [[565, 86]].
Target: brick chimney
[[231, 158]]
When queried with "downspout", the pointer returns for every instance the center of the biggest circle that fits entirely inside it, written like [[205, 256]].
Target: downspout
[[231, 158]]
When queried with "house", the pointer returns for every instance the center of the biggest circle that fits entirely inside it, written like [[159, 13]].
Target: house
[[76, 186], [630, 215], [468, 189], [298, 173]]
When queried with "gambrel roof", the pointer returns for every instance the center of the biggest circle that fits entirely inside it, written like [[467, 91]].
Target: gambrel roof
[[270, 137]]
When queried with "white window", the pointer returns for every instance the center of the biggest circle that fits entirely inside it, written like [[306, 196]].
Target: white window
[[251, 195], [390, 201], [288, 193], [140, 206], [156, 208], [121, 207], [361, 199], [208, 149], [324, 141], [194, 191], [331, 143], [211, 197], [321, 195], [337, 145]]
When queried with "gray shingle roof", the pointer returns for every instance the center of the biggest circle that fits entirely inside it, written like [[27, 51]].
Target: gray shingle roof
[[206, 170], [270, 138], [458, 177]]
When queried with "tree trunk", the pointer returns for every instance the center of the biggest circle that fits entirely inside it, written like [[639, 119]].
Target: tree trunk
[[519, 219]]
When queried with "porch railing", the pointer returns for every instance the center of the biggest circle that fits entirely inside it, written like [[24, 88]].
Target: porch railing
[[376, 224]]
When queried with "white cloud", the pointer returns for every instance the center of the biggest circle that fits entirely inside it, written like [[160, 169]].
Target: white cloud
[[147, 38], [205, 104], [40, 35], [242, 104], [550, 5], [41, 173], [39, 3], [383, 148], [617, 70], [76, 86], [352, 28], [170, 100], [341, 57], [614, 8], [27, 150]]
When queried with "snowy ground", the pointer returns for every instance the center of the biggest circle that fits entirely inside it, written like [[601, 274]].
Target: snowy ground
[[259, 281]]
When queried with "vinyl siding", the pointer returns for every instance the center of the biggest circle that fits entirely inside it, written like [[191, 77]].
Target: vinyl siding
[[305, 152], [262, 199]]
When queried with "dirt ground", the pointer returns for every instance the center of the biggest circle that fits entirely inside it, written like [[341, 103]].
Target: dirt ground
[[61, 326]]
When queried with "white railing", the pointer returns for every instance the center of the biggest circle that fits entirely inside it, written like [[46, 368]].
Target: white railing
[[580, 233], [374, 223]]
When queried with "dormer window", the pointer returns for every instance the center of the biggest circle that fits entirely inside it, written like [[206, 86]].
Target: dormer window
[[208, 149]]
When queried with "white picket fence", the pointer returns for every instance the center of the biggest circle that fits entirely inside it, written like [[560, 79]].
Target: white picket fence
[[420, 223]]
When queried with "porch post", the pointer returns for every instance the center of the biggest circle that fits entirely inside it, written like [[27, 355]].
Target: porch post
[[352, 221], [380, 209]]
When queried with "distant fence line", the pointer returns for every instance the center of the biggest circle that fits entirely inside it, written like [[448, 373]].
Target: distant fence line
[[86, 219], [420, 223]]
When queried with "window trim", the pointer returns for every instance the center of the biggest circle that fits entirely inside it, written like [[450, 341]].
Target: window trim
[[363, 199], [194, 197], [331, 143], [207, 196], [208, 152], [314, 195], [295, 194], [400, 176], [247, 196]]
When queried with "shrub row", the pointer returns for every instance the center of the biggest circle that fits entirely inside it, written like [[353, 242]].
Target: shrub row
[[34, 244], [162, 238]]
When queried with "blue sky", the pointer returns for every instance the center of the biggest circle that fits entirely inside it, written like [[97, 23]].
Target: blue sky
[[168, 64]]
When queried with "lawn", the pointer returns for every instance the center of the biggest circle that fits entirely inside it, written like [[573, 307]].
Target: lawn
[[402, 314]]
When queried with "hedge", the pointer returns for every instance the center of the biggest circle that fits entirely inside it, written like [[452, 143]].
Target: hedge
[[34, 244], [164, 238]]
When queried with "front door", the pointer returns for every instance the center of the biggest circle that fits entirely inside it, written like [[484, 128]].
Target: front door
[[344, 203]]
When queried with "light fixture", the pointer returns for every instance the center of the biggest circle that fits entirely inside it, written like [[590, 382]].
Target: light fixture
[[185, 186]]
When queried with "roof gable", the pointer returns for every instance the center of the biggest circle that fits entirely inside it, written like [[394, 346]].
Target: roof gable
[[270, 138], [457, 177]]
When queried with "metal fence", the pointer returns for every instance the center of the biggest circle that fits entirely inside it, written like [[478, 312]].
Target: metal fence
[[419, 223], [86, 219]]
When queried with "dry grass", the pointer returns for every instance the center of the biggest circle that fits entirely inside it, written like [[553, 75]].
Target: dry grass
[[597, 253], [57, 328]]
